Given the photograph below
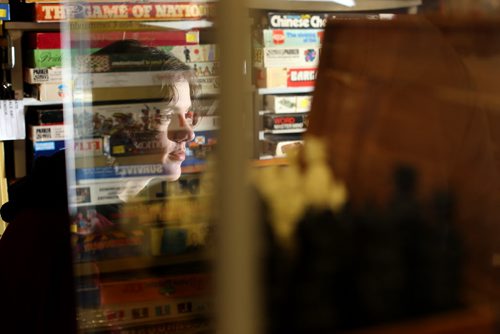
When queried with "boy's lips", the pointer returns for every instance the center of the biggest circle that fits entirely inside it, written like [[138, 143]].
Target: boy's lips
[[178, 155]]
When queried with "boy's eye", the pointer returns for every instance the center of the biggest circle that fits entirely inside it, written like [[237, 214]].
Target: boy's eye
[[166, 116], [189, 118], [192, 117]]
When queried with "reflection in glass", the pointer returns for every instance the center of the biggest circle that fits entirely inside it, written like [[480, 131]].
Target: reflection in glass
[[144, 126]]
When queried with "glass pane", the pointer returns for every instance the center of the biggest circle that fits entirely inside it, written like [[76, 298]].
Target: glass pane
[[383, 217], [339, 174], [144, 119]]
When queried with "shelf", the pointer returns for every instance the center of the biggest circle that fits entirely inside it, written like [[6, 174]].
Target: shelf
[[297, 90], [280, 132], [269, 160], [135, 263], [194, 169], [325, 5], [96, 320], [28, 26], [267, 112], [29, 101]]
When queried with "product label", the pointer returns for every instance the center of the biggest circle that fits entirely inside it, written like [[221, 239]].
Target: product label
[[292, 37], [43, 75], [123, 11], [146, 170], [297, 21], [287, 57], [286, 122], [40, 133], [45, 146], [92, 146], [301, 77], [40, 74], [45, 58]]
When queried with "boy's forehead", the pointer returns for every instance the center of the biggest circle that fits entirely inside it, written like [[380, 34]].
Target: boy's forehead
[[182, 87], [183, 94]]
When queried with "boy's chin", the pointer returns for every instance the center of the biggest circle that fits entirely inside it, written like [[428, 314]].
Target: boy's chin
[[172, 171]]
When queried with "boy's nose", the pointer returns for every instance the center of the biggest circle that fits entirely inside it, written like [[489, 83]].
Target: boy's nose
[[180, 130]]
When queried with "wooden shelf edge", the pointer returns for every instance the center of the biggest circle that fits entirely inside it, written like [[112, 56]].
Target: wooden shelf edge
[[135, 263], [27, 26], [270, 162]]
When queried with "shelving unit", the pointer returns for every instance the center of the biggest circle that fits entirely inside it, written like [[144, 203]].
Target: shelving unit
[[331, 6], [298, 90], [298, 6], [15, 31], [188, 254], [469, 321]]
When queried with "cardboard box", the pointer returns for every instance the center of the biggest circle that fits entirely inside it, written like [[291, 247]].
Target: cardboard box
[[293, 121], [286, 57], [290, 37], [278, 144], [283, 77], [280, 104]]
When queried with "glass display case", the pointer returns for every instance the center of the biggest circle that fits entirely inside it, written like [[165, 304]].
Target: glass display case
[[250, 167], [143, 120], [386, 220]]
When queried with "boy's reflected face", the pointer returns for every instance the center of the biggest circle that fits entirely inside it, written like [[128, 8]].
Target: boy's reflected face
[[177, 128]]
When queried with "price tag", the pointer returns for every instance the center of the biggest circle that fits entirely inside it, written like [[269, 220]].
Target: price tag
[[12, 126]]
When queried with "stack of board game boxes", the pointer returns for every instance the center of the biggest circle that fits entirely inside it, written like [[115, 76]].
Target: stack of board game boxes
[[4, 11], [108, 101], [165, 304], [287, 46], [103, 96], [286, 54]]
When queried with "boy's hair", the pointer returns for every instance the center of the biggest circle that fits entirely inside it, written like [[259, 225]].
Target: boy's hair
[[175, 69]]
